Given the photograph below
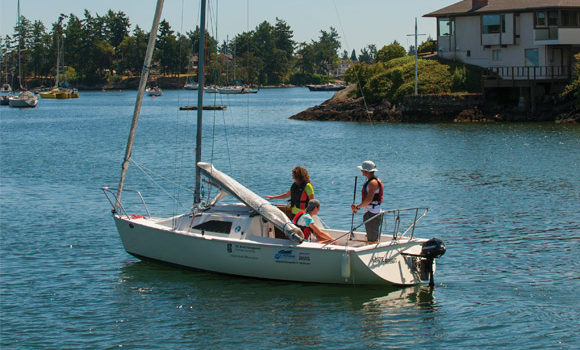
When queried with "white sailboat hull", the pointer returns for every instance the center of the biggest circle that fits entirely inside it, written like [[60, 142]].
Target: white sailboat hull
[[271, 258], [23, 102]]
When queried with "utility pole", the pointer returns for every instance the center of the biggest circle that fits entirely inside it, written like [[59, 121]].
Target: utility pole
[[416, 53]]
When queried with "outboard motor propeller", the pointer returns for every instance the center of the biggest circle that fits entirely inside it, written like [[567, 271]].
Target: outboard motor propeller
[[432, 249]]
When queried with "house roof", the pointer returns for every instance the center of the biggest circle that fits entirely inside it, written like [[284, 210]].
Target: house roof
[[464, 8]]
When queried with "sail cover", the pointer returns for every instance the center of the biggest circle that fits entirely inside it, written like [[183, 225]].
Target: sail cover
[[262, 206]]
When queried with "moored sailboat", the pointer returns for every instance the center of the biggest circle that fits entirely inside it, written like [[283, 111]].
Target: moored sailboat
[[254, 237], [58, 92], [25, 99]]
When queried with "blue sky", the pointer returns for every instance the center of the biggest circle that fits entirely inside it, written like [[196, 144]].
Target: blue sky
[[359, 23]]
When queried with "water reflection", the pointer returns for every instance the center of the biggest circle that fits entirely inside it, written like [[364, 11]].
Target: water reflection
[[144, 277], [202, 303]]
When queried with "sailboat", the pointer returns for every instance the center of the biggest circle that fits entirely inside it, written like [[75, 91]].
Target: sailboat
[[58, 92], [25, 99], [255, 238]]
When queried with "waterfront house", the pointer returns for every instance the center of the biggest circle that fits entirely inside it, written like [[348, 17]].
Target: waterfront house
[[522, 43], [342, 67]]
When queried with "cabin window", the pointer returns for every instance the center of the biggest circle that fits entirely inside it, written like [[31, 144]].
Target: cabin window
[[496, 55], [532, 58], [446, 26], [493, 24], [215, 226], [570, 18]]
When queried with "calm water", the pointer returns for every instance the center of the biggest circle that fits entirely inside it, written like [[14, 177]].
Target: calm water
[[504, 198]]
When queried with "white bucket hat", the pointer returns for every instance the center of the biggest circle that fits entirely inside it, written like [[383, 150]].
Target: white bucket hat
[[368, 165]]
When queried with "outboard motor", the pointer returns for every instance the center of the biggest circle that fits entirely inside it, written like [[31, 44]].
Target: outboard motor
[[432, 249]]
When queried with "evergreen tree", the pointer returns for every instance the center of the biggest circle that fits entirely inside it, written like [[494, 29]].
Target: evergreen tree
[[353, 56]]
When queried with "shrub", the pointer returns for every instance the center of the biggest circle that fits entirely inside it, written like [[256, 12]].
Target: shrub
[[390, 52], [428, 46], [572, 90]]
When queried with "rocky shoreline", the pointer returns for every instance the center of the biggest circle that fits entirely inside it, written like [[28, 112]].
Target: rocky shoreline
[[471, 108]]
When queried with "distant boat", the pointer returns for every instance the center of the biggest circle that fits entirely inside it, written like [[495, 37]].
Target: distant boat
[[191, 86], [154, 91], [326, 87], [6, 88], [4, 100], [233, 90], [60, 93], [248, 90], [25, 99], [230, 90], [211, 89]]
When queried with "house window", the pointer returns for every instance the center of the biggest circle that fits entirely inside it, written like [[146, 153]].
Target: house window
[[446, 26], [570, 18], [496, 55], [468, 53], [546, 18], [532, 58], [493, 24], [553, 18], [540, 19]]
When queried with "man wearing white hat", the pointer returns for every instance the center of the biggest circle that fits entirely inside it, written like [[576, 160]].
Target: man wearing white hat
[[372, 197]]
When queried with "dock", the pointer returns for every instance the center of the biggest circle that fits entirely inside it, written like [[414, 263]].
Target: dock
[[210, 108]]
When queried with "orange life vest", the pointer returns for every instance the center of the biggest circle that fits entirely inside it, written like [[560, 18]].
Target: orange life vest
[[305, 229]]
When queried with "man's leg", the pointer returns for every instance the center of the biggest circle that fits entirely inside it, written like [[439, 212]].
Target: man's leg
[[373, 227]]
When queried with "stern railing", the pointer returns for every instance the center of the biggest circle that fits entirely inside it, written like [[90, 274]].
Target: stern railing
[[397, 234]]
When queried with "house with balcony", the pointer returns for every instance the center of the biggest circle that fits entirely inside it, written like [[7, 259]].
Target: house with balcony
[[522, 43]]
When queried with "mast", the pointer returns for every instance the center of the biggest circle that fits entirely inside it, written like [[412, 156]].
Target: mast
[[200, 81], [140, 92], [57, 61], [416, 54], [19, 49]]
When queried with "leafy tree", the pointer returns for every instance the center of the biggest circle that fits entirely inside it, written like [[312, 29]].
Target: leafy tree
[[390, 52], [572, 90], [428, 46], [368, 54]]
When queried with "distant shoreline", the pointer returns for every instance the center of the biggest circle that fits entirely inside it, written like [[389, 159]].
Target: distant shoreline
[[454, 108]]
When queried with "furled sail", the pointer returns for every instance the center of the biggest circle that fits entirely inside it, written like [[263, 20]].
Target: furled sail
[[262, 206]]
